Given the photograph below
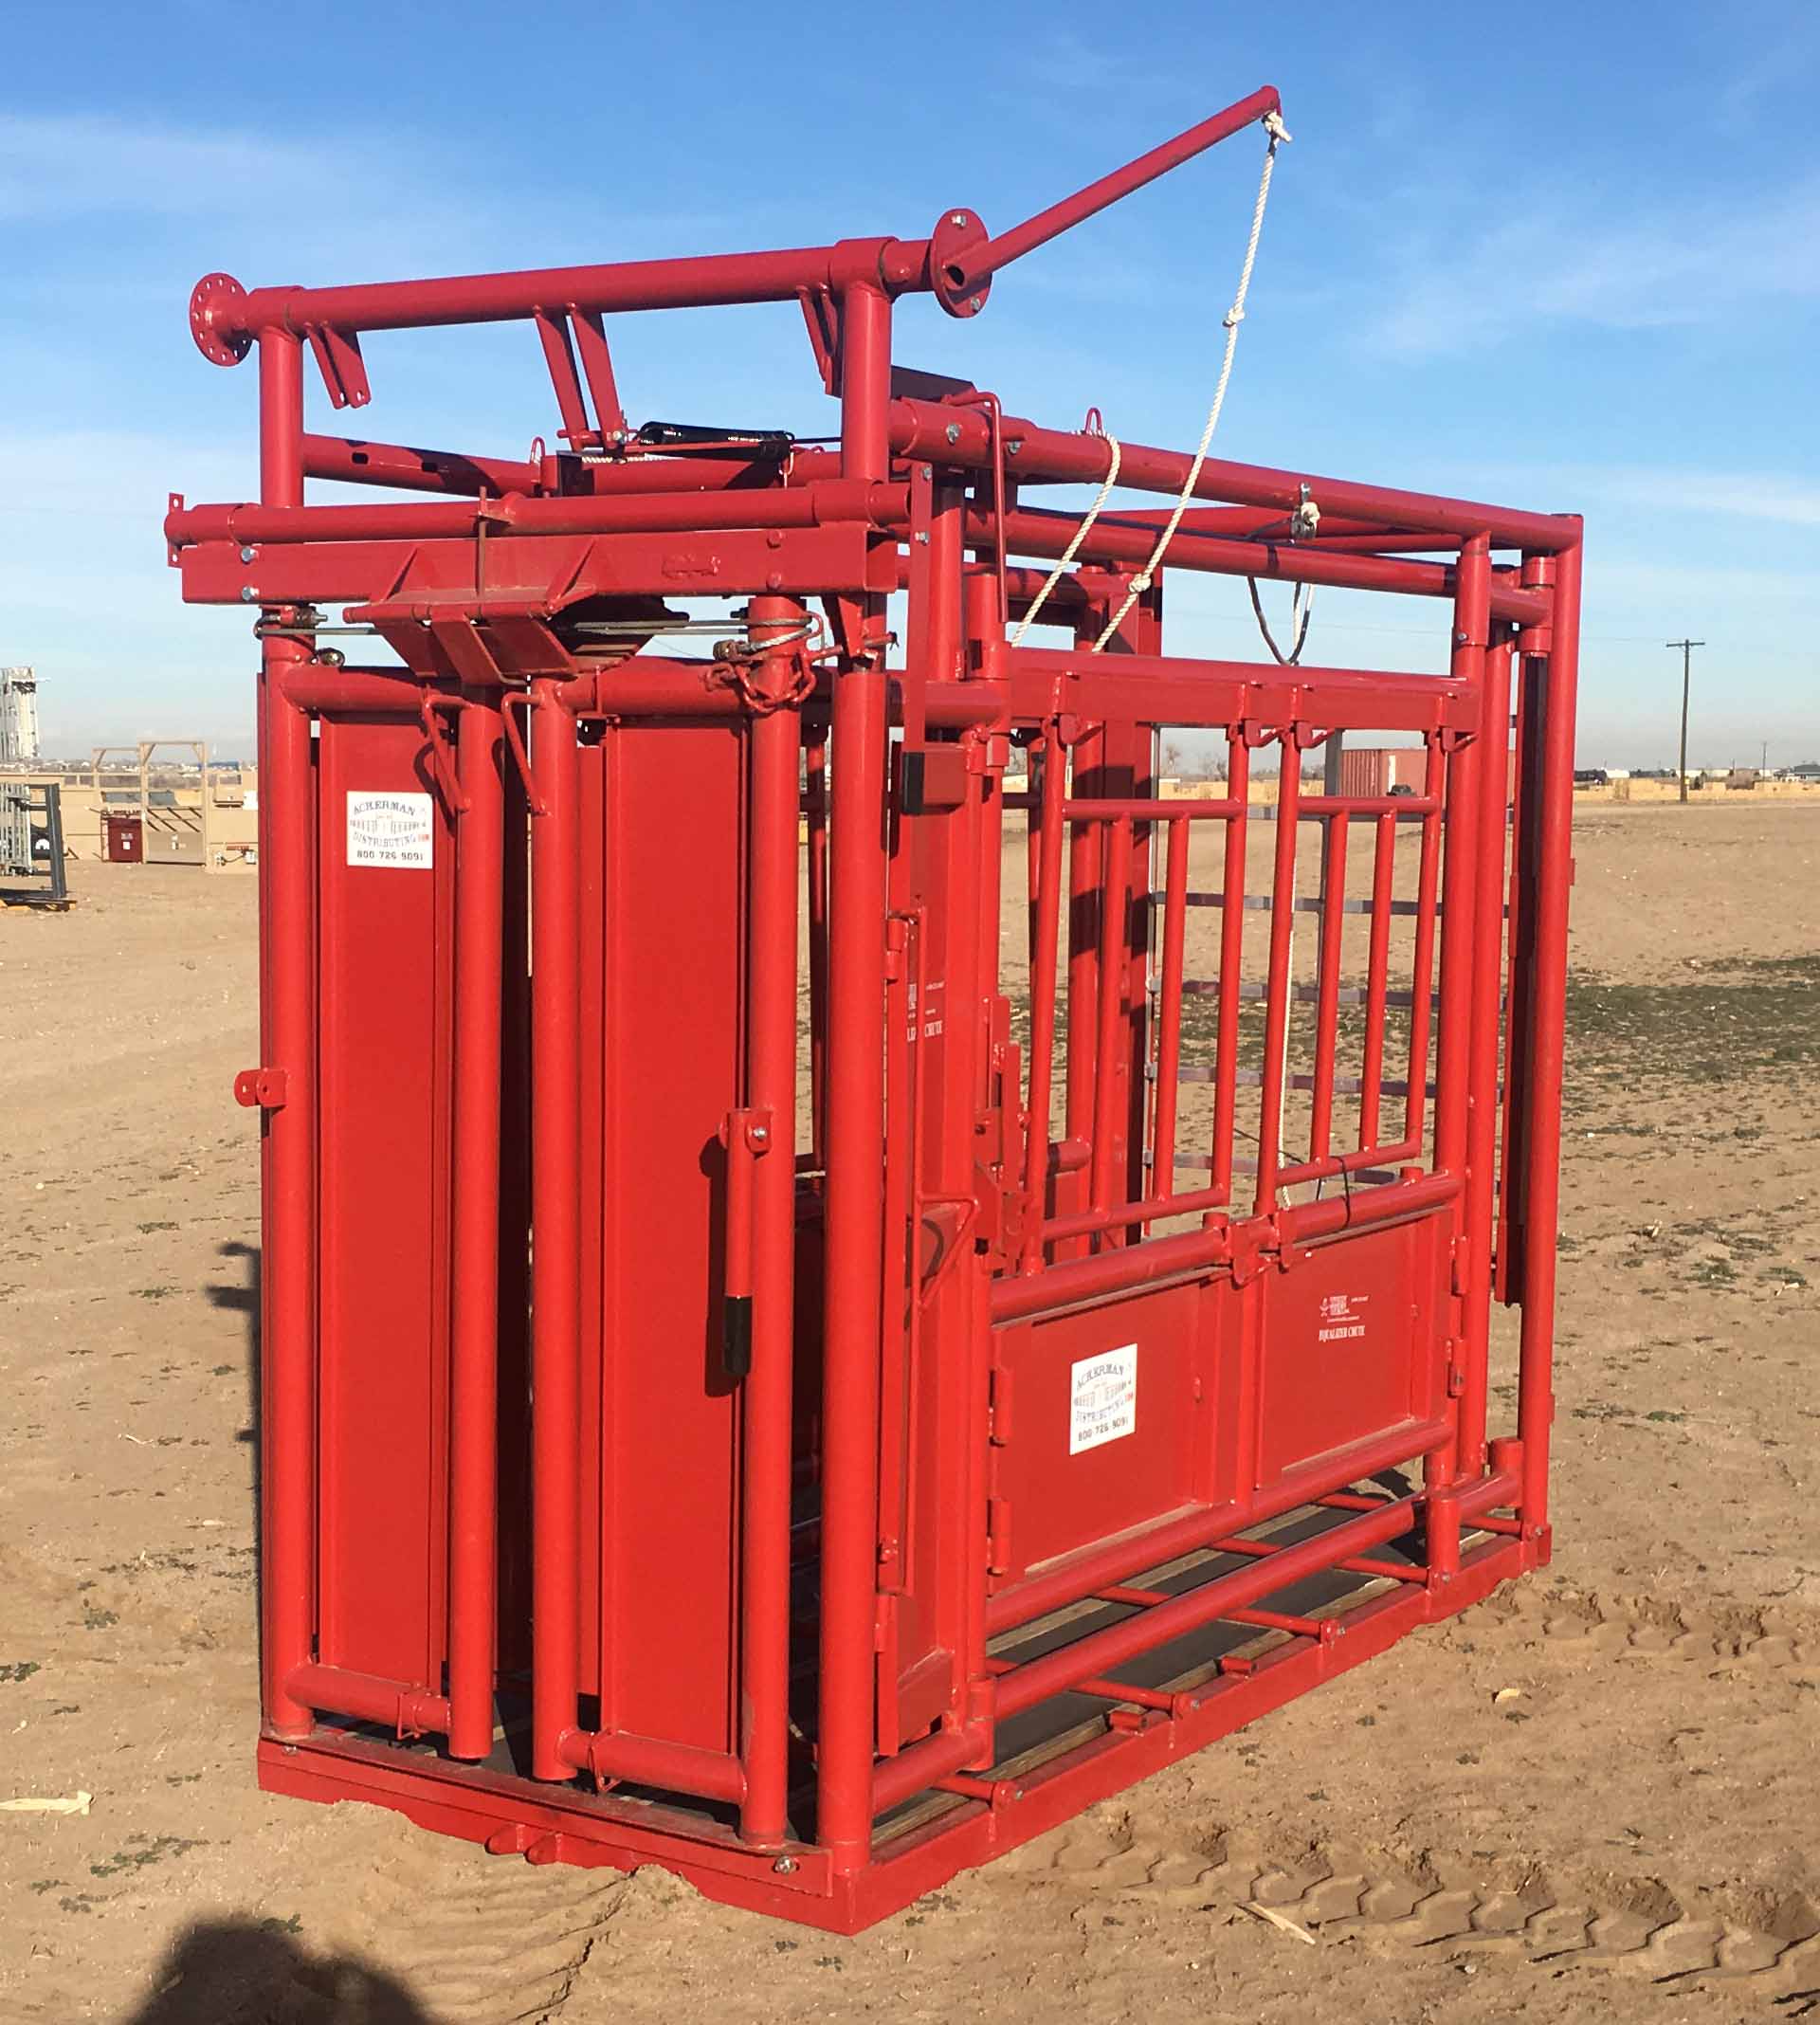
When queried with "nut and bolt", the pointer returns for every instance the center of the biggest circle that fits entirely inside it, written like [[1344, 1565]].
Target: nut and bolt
[[956, 217], [248, 596], [975, 303], [953, 432], [246, 554], [784, 1865], [922, 536]]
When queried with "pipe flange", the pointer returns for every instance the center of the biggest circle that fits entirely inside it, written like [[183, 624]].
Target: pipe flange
[[957, 234], [217, 304]]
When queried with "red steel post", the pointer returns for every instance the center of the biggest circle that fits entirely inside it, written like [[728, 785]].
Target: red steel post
[[1225, 1046], [855, 1160], [1050, 825], [1459, 876], [1553, 806], [1378, 962], [474, 1159], [774, 749], [1281, 984], [1169, 1014], [1109, 1020], [1479, 1204], [556, 1201], [287, 1043]]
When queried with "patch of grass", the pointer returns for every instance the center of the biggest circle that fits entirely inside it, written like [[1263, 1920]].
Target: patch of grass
[[149, 1850]]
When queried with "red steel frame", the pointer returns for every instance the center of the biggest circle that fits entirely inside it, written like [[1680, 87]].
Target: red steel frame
[[450, 1613]]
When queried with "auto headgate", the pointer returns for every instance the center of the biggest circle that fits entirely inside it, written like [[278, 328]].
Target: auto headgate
[[764, 1372]]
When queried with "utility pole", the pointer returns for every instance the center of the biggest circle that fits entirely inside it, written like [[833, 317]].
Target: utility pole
[[1686, 647]]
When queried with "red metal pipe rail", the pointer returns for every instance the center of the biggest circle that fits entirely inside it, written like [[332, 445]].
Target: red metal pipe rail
[[922, 429], [226, 319]]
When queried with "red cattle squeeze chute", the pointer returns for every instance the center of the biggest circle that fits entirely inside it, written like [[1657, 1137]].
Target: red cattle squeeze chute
[[765, 1371]]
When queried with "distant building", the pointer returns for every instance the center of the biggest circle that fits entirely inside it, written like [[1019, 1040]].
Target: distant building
[[18, 717], [1372, 771]]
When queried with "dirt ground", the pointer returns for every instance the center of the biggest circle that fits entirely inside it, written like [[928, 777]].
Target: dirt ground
[[1633, 1834]]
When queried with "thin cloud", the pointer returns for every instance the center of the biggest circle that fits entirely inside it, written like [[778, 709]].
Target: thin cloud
[[1700, 266]]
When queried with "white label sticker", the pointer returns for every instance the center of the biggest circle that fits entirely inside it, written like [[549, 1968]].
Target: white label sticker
[[1340, 1317], [390, 829], [1102, 1401]]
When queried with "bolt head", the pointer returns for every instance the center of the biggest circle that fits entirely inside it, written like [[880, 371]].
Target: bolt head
[[922, 536], [784, 1865], [246, 554], [956, 217], [953, 432], [248, 596], [977, 303]]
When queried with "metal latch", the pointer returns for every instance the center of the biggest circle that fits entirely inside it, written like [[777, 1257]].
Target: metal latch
[[261, 1089], [746, 1136]]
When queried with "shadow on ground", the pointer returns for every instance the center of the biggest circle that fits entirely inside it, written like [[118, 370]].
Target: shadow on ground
[[247, 1971]]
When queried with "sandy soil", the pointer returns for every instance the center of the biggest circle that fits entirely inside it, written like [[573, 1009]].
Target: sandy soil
[[1631, 1834]]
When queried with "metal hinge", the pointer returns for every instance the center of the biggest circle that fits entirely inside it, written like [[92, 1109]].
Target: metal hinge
[[998, 1536], [261, 1089]]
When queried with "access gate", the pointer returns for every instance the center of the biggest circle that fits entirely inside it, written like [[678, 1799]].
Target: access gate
[[843, 1275]]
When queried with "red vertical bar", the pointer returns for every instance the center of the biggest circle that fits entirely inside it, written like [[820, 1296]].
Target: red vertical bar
[[1115, 916], [1378, 963], [1086, 850], [512, 1496], [855, 1161], [1045, 942], [1276, 1018], [1480, 1207], [1548, 988], [775, 746], [556, 1187], [1226, 1049], [287, 1361], [1169, 1010], [479, 865], [815, 782], [1459, 882], [1459, 872], [1333, 919], [1422, 960], [1525, 773]]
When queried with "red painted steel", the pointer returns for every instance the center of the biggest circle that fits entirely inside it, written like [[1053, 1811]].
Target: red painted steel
[[732, 1395]]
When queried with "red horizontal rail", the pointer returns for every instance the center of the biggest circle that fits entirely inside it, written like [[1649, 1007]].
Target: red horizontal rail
[[813, 505], [920, 429], [1100, 1652], [337, 1691], [652, 1761], [1036, 531]]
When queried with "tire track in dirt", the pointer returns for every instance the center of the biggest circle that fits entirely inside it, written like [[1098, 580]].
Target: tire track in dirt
[[1635, 1926], [480, 1940], [1677, 1934], [1774, 1638]]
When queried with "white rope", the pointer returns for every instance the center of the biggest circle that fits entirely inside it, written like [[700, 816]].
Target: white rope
[[1274, 127], [1080, 533]]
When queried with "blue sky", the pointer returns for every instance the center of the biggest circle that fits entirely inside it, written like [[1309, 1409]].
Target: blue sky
[[1567, 258]]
